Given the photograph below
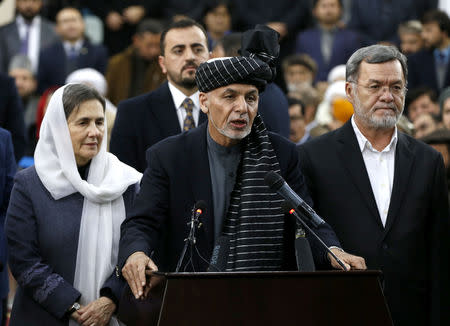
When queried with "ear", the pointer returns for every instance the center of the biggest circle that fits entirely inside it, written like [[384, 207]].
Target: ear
[[162, 64], [349, 91], [204, 102]]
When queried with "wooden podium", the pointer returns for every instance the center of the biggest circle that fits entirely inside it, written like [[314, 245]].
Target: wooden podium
[[259, 298]]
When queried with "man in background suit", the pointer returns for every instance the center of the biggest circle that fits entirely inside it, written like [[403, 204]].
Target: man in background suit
[[71, 53], [27, 34], [383, 192], [328, 44], [170, 109], [431, 66]]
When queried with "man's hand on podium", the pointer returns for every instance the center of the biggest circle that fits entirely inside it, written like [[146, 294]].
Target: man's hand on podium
[[135, 270], [350, 261]]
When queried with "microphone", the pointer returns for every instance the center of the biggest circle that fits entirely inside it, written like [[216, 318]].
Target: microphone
[[286, 207], [275, 182], [198, 209], [303, 254], [220, 254]]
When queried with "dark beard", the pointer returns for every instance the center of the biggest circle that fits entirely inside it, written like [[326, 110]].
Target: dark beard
[[188, 83]]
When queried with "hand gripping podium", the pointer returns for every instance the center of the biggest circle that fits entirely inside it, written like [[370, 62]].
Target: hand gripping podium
[[259, 298]]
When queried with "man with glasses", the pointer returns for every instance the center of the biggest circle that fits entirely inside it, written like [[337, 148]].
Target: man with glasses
[[383, 192]]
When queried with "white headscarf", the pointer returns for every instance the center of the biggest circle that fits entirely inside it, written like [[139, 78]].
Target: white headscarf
[[103, 206]]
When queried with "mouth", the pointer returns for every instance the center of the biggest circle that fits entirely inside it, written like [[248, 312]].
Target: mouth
[[190, 68], [91, 144], [239, 123]]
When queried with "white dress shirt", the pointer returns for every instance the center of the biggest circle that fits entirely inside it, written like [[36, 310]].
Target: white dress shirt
[[380, 168], [34, 38], [178, 98]]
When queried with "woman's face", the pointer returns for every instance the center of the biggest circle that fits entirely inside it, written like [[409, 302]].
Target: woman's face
[[86, 127]]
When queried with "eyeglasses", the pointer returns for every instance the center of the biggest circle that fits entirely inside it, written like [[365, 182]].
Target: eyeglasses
[[377, 89]]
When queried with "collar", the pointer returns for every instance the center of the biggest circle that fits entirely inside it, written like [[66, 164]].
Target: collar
[[445, 52], [77, 45], [363, 142], [178, 96], [21, 21]]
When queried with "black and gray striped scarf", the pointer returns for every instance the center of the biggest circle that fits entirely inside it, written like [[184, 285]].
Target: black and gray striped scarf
[[255, 221]]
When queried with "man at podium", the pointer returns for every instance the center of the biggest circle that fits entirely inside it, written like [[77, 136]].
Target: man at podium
[[223, 163]]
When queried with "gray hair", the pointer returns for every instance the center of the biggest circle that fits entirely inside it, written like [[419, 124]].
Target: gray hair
[[374, 54], [20, 61], [76, 94]]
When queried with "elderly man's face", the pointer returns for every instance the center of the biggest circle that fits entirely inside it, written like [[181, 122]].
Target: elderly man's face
[[378, 96], [184, 50], [25, 82], [231, 110]]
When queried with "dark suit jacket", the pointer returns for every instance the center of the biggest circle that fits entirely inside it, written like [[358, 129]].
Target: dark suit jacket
[[53, 63], [43, 241], [412, 250], [11, 114], [7, 171], [345, 43], [422, 71], [274, 110], [177, 176], [143, 121], [379, 20], [10, 41]]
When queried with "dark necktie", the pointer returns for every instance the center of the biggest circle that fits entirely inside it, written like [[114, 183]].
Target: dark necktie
[[188, 123], [24, 43], [73, 53]]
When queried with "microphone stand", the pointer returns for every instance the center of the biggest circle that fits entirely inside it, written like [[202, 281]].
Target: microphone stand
[[294, 212], [191, 239]]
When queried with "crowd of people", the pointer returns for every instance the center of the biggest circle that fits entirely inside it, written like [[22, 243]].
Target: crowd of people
[[132, 111]]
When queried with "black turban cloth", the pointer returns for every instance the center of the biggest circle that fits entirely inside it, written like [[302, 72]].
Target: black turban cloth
[[255, 67]]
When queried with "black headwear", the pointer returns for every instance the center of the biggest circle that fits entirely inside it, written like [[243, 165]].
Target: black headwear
[[259, 49]]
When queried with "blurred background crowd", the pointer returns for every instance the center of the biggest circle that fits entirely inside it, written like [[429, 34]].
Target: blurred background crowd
[[114, 46]]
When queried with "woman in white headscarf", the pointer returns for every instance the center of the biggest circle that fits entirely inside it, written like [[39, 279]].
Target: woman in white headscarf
[[63, 222]]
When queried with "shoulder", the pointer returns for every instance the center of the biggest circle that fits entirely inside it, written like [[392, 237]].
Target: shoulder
[[323, 141], [419, 56], [143, 101], [8, 27], [5, 135], [418, 147], [280, 144]]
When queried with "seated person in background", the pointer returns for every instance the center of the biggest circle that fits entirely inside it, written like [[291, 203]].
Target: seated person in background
[[311, 99], [424, 124], [217, 20], [410, 34], [297, 118], [421, 100], [328, 44], [74, 51], [63, 221], [444, 106], [225, 162], [298, 69], [21, 70], [136, 70]]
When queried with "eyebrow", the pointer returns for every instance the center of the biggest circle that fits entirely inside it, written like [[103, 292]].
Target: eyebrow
[[190, 45], [379, 82]]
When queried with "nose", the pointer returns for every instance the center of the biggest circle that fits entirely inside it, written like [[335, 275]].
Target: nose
[[386, 94], [241, 105], [190, 55], [94, 131]]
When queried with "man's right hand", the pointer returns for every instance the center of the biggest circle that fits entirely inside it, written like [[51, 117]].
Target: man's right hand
[[134, 271]]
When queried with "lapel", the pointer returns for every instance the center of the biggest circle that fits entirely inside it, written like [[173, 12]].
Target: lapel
[[84, 55], [163, 110], [316, 47], [404, 159], [351, 158], [13, 38], [200, 180]]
